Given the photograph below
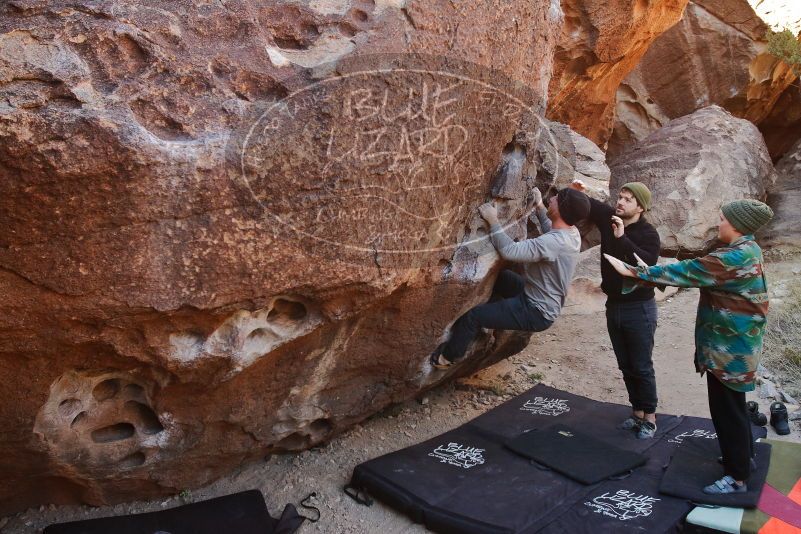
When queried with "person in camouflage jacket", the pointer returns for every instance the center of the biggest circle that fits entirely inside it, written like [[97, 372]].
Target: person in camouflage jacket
[[731, 320]]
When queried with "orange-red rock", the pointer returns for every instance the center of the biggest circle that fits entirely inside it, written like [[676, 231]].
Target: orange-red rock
[[193, 277], [601, 42], [718, 55]]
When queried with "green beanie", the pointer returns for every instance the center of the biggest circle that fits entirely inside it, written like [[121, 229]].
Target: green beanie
[[747, 215], [641, 193]]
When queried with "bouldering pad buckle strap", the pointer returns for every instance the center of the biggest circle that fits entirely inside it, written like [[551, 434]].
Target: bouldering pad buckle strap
[[539, 466], [702, 505], [304, 503], [358, 495], [622, 476]]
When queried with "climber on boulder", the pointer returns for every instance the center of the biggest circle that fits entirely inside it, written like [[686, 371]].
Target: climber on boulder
[[531, 302]]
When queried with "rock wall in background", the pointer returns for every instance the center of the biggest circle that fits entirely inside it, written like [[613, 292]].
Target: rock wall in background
[[601, 42], [782, 127], [784, 196], [692, 166], [717, 54]]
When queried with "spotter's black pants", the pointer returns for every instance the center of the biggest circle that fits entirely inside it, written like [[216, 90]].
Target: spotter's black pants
[[730, 418]]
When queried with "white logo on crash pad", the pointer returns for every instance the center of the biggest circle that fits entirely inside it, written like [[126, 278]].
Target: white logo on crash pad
[[693, 434], [623, 505], [546, 406], [458, 455]]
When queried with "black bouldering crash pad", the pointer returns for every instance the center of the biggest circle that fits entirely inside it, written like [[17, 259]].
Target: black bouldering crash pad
[[696, 465], [575, 454], [467, 481], [242, 513]]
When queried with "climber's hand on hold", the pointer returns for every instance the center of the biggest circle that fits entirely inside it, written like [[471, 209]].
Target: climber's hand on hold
[[489, 213]]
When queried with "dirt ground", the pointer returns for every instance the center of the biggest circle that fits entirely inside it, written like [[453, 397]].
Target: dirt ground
[[574, 355]]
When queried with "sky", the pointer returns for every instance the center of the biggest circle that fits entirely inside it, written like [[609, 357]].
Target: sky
[[779, 14]]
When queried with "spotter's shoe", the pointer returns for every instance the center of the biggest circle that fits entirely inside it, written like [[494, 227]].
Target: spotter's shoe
[[647, 430], [725, 486]]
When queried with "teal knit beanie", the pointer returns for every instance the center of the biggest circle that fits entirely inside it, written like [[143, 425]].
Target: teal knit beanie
[[747, 215]]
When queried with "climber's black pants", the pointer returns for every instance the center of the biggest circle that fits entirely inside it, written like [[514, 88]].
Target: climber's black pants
[[508, 309]]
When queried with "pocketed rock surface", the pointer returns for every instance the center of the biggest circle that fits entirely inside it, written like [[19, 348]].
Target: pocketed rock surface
[[194, 276]]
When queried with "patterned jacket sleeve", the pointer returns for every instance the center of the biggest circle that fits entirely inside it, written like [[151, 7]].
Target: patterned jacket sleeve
[[709, 271]]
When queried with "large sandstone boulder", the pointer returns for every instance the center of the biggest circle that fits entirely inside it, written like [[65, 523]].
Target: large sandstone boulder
[[692, 166], [717, 54], [784, 231], [230, 229], [601, 42], [566, 156]]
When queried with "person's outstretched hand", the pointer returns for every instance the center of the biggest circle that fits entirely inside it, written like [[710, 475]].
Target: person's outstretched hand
[[488, 213], [578, 185], [619, 266]]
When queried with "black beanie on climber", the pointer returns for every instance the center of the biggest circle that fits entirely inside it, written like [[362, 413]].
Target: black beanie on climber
[[573, 205]]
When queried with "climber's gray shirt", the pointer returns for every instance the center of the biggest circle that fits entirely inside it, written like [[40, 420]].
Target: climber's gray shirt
[[550, 261]]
